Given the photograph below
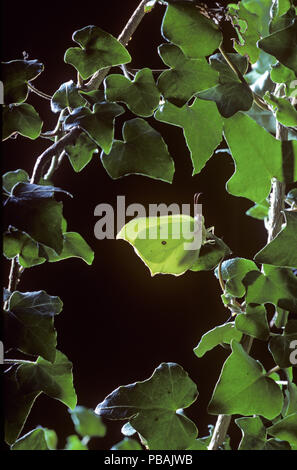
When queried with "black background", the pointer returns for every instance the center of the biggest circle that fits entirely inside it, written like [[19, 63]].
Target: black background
[[118, 322]]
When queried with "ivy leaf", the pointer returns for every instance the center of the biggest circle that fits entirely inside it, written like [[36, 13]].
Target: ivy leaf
[[166, 244], [31, 209], [21, 119], [280, 345], [140, 95], [249, 29], [81, 153], [285, 113], [37, 439], [281, 251], [220, 334], [259, 211], [151, 407], [285, 429], [291, 399], [253, 433], [74, 246], [87, 422], [185, 26], [18, 243], [29, 323], [277, 286], [281, 74], [131, 155], [233, 272], [258, 158], [282, 45], [244, 389], [67, 96], [253, 322], [98, 123], [185, 77], [15, 76], [230, 94], [127, 444], [211, 254], [98, 50], [74, 443], [24, 383], [11, 178], [195, 121]]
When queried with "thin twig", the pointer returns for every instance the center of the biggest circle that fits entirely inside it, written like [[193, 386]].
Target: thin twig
[[38, 92], [124, 38]]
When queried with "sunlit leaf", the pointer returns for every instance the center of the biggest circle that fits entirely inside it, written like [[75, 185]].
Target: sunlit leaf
[[33, 440], [185, 26], [244, 389], [185, 77], [195, 121], [285, 429], [151, 407], [220, 334], [253, 322], [74, 443]]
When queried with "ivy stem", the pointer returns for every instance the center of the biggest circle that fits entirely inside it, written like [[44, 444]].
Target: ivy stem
[[51, 151], [271, 371], [17, 361], [38, 92], [125, 36]]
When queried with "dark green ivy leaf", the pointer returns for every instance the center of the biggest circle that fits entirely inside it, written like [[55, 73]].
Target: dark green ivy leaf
[[15, 76], [195, 121], [281, 251], [29, 323], [233, 272], [23, 384], [127, 444], [140, 95], [253, 433], [21, 119], [31, 209], [230, 94], [98, 123], [185, 26], [185, 77], [67, 96], [98, 50], [280, 346], [81, 153], [211, 254], [151, 407], [283, 45], [142, 152]]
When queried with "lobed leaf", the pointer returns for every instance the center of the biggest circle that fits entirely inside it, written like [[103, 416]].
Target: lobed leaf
[[142, 152], [151, 407]]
